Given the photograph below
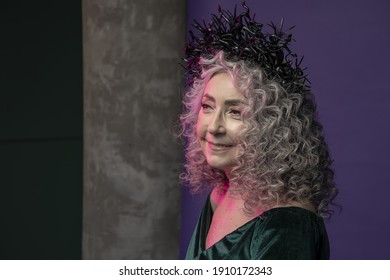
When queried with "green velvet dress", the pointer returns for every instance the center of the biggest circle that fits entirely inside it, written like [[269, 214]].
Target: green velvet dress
[[284, 233]]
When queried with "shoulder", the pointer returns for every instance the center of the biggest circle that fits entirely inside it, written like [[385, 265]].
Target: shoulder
[[288, 233], [289, 216]]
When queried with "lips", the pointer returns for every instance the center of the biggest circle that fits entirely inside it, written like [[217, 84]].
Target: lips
[[217, 146]]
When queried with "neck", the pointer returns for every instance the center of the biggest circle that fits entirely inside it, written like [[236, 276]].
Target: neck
[[228, 173]]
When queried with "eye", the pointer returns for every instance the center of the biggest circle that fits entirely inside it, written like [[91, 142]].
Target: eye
[[235, 113], [206, 107]]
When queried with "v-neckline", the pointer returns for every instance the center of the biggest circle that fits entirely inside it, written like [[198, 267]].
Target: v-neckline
[[210, 215]]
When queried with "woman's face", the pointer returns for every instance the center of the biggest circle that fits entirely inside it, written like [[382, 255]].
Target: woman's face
[[220, 121]]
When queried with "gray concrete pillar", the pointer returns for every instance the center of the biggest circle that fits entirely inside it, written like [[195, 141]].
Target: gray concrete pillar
[[132, 85]]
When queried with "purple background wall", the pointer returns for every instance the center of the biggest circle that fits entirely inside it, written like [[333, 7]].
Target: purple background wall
[[345, 44]]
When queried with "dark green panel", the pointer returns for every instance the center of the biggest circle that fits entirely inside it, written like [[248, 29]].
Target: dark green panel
[[41, 200], [41, 107], [40, 69]]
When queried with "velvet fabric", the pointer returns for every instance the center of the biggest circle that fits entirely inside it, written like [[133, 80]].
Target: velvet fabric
[[284, 233]]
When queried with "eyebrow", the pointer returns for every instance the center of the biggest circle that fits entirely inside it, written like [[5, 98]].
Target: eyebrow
[[229, 102]]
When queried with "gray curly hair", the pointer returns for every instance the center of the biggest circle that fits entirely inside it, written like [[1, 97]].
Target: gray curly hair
[[282, 152]]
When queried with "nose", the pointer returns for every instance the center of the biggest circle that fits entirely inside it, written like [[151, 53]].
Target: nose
[[217, 124]]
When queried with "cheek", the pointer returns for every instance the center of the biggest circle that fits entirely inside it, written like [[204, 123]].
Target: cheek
[[199, 126], [198, 129], [236, 131]]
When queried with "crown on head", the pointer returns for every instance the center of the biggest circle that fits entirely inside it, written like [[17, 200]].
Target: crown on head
[[242, 38]]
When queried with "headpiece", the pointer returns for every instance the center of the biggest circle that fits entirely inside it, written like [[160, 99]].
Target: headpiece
[[242, 38]]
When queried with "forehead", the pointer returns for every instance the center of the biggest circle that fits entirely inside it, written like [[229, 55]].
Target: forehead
[[221, 87]]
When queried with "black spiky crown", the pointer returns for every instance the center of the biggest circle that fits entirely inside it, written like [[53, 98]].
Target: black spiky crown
[[240, 37]]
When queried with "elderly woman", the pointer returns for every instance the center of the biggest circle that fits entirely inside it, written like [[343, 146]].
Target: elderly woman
[[252, 138]]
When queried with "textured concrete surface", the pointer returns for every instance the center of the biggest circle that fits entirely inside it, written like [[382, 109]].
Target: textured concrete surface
[[132, 85]]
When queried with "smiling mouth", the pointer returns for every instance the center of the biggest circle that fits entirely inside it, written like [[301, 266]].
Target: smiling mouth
[[217, 147]]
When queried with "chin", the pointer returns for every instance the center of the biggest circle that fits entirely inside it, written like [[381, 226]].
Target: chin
[[219, 165]]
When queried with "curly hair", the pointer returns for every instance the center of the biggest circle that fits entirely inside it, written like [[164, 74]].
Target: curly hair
[[282, 152]]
